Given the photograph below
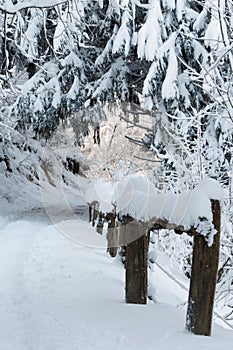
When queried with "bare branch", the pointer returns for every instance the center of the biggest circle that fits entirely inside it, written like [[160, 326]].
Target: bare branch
[[135, 124], [147, 159], [136, 142]]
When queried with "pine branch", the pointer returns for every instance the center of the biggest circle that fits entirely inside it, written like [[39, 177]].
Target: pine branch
[[220, 18]]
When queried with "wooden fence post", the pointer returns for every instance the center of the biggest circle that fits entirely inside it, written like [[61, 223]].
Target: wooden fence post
[[100, 223], [112, 235], [203, 279], [90, 212], [136, 264], [95, 212]]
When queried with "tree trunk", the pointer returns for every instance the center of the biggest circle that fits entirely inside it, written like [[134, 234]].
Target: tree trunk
[[136, 266], [203, 279]]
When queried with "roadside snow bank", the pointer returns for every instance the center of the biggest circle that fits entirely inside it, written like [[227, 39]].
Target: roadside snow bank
[[33, 176]]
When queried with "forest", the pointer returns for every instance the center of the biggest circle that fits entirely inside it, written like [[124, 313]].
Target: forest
[[125, 108]]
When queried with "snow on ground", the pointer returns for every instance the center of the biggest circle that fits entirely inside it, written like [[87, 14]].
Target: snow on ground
[[56, 294]]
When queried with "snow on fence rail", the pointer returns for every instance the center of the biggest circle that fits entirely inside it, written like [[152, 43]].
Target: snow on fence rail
[[140, 208], [137, 197]]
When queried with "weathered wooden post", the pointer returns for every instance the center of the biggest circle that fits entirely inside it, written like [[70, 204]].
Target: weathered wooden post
[[95, 212], [90, 212], [136, 262], [203, 279], [112, 235], [100, 223]]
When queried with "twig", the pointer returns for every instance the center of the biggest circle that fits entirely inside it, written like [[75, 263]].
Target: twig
[[136, 142], [171, 277], [186, 289], [147, 159], [135, 124]]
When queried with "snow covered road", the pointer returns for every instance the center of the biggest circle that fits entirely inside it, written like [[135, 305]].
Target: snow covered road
[[58, 295]]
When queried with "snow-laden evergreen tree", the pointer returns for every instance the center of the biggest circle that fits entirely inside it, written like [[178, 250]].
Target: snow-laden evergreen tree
[[174, 57]]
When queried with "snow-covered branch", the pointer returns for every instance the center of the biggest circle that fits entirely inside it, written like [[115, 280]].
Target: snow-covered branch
[[8, 7]]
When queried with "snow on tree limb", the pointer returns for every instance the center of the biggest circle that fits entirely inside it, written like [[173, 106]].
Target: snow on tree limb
[[149, 34], [8, 7]]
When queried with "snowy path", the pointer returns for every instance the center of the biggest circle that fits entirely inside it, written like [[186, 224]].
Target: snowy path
[[58, 295]]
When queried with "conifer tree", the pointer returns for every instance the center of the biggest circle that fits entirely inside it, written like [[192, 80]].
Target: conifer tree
[[173, 57]]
